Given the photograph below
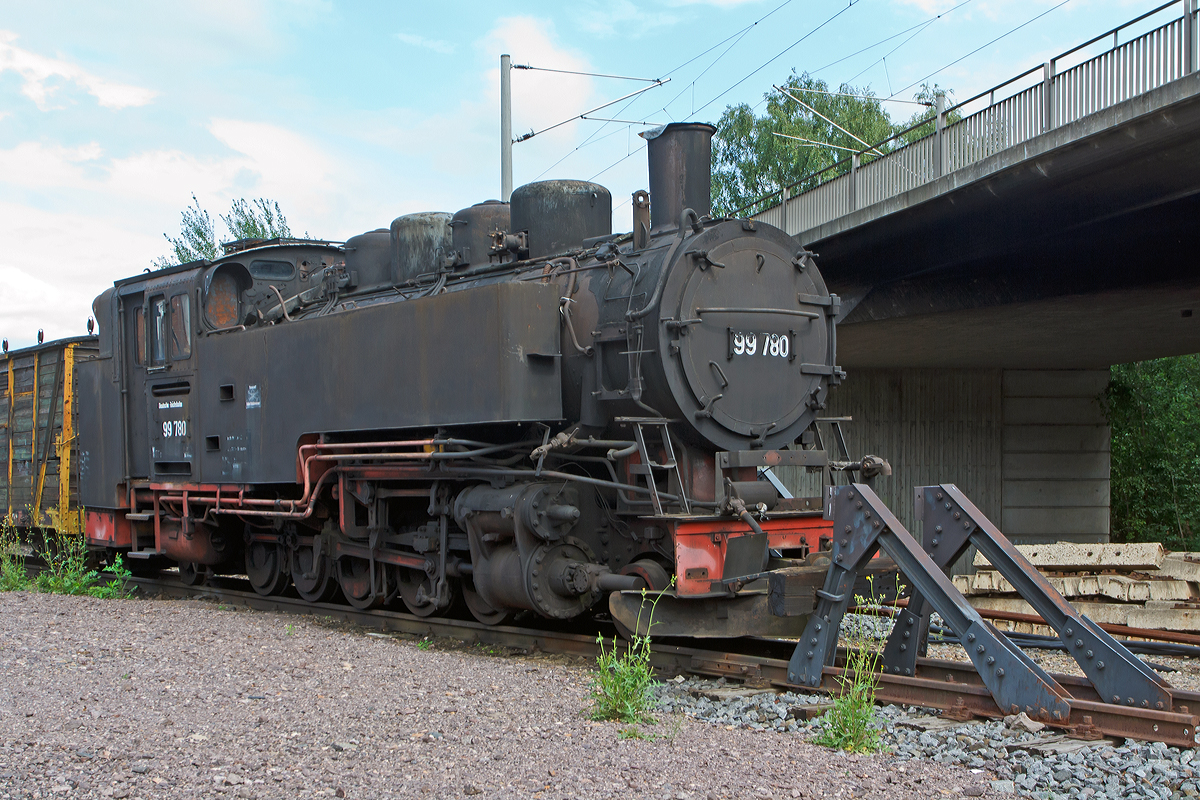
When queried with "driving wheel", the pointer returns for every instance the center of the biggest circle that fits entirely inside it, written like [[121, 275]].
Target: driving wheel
[[354, 576], [313, 575], [264, 568]]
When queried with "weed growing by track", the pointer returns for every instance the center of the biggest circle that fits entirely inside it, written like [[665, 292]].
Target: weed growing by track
[[850, 724], [622, 685], [67, 569], [13, 577]]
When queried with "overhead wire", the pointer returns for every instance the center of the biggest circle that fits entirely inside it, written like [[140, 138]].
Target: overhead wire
[[982, 46], [883, 59], [751, 74], [592, 138], [778, 55]]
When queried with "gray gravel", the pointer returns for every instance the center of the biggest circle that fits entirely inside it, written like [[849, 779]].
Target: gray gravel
[[151, 698], [1010, 757]]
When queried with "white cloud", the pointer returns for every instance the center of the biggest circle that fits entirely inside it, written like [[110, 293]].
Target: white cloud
[[39, 74], [436, 45], [623, 18], [931, 7], [717, 3], [540, 99], [55, 265]]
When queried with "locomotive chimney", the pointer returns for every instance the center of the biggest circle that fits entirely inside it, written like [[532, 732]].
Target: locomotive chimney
[[680, 156]]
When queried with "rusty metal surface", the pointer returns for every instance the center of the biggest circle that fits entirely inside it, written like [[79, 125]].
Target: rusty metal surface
[[680, 158], [480, 355], [419, 243], [666, 615], [558, 215]]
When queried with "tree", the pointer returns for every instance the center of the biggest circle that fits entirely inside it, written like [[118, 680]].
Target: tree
[[928, 95], [750, 160], [1154, 410], [197, 239]]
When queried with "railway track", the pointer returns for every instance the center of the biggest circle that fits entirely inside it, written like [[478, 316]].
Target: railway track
[[951, 686]]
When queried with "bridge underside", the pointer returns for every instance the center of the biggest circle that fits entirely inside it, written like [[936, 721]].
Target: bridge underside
[[982, 310], [1079, 251]]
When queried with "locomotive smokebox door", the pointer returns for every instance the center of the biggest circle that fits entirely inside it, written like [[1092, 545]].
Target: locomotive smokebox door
[[752, 333]]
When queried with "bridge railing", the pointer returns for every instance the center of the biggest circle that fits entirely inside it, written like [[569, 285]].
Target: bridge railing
[[899, 163]]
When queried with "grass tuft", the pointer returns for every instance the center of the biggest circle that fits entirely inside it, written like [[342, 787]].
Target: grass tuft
[[13, 577], [850, 724], [622, 685], [68, 567]]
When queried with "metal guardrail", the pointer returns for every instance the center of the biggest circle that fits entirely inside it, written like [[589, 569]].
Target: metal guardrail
[[1127, 70]]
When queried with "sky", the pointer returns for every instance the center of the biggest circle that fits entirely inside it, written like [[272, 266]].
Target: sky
[[349, 114]]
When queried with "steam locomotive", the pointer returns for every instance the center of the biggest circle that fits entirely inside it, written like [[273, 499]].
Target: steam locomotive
[[508, 409]]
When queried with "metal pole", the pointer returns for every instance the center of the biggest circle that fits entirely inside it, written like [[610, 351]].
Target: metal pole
[[1047, 96], [1189, 37], [783, 209], [506, 142], [855, 161], [939, 144]]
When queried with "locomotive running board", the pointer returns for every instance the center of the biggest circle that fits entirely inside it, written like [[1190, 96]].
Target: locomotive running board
[[862, 526]]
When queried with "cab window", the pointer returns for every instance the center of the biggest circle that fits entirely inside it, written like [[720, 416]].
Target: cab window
[[157, 324], [181, 327], [272, 270]]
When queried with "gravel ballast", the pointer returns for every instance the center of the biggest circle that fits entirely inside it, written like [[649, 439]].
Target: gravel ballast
[[157, 698]]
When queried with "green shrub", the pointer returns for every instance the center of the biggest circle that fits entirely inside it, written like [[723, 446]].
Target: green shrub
[[1154, 410], [68, 569], [850, 724], [622, 685], [118, 587], [13, 577]]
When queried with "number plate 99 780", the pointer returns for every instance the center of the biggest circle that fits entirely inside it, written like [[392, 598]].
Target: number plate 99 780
[[755, 343]]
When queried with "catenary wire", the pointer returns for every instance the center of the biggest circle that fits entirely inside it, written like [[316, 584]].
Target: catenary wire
[[982, 46], [594, 136]]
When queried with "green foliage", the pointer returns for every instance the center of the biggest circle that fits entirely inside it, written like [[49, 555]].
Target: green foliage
[[256, 219], [13, 577], [118, 587], [425, 644], [850, 724], [66, 559], [621, 686], [928, 94], [1154, 410], [750, 160], [197, 238], [68, 569]]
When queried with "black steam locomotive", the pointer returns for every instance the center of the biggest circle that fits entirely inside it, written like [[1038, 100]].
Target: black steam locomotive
[[510, 408]]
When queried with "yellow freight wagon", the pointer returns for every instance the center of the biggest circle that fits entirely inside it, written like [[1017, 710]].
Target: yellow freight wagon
[[39, 459]]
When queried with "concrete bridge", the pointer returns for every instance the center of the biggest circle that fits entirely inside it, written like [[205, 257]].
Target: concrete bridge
[[992, 271]]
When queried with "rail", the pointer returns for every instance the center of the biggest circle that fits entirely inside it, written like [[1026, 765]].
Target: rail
[[952, 686], [1028, 106]]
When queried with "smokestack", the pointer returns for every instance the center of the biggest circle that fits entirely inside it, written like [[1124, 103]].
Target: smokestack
[[680, 158]]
